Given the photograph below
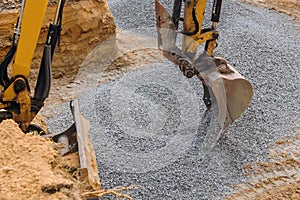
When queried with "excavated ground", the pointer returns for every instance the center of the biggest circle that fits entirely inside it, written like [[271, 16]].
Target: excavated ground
[[279, 178], [30, 168], [289, 7]]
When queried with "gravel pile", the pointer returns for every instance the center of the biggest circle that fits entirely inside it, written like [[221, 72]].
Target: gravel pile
[[9, 4], [145, 125]]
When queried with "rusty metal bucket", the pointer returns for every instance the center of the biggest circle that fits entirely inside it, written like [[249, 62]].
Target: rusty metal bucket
[[227, 93], [231, 92]]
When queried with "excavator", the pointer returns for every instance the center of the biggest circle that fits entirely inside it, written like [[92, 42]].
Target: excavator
[[227, 93], [16, 101]]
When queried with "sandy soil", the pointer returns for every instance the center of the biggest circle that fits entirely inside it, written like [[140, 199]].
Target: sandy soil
[[30, 167], [277, 179]]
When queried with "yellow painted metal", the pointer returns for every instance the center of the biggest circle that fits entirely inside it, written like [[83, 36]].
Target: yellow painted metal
[[9, 94], [25, 116], [4, 105], [205, 37], [191, 43], [32, 20], [200, 9], [212, 44]]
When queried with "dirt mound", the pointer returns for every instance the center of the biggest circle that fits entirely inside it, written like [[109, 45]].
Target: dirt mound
[[31, 168]]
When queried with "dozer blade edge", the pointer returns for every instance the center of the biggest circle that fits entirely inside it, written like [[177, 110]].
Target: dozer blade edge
[[87, 158], [77, 138]]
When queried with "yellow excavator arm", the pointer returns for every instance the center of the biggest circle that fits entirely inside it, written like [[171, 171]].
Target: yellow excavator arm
[[226, 92], [32, 21], [15, 100], [18, 90]]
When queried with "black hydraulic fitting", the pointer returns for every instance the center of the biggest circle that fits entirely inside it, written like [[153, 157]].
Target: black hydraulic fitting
[[189, 73], [19, 86]]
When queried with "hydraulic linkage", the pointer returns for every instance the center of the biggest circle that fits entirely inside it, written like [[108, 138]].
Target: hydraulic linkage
[[226, 92]]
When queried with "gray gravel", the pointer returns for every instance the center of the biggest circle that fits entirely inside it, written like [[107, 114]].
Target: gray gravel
[[145, 125]]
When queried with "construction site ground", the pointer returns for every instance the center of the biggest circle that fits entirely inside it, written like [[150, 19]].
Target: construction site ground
[[30, 167]]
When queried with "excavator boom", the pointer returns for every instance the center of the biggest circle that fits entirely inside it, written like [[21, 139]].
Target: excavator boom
[[32, 20], [16, 102]]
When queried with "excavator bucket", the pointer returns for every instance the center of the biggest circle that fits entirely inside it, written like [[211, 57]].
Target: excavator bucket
[[231, 94], [227, 93]]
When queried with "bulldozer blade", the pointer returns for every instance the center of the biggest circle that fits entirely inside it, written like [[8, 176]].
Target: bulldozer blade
[[77, 138], [231, 94], [87, 158]]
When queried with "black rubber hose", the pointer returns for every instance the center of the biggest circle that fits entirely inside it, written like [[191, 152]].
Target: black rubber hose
[[195, 22], [43, 84], [176, 12], [216, 10], [4, 79]]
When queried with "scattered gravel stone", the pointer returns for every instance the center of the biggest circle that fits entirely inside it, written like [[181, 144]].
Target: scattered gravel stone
[[138, 122]]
